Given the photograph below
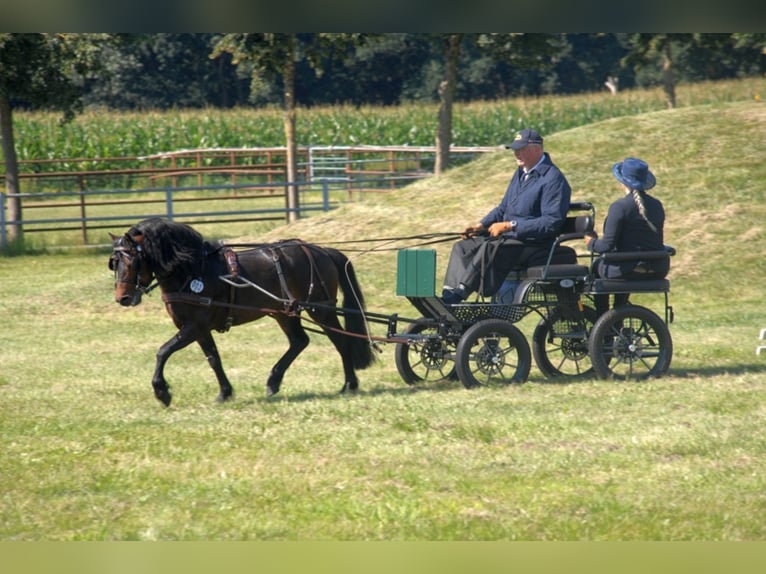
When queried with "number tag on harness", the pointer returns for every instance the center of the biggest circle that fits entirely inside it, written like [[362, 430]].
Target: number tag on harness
[[197, 285]]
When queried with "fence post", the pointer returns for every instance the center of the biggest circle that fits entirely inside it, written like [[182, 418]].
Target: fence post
[[169, 203], [3, 236], [325, 195], [84, 225]]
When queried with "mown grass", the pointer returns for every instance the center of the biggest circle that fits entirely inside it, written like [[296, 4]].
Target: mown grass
[[88, 454]]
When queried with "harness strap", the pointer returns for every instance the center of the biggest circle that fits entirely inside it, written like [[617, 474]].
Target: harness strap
[[232, 263], [192, 299], [314, 269], [282, 281], [200, 301]]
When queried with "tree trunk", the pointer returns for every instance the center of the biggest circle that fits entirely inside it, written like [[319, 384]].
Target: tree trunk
[[668, 76], [293, 195], [15, 230], [446, 97]]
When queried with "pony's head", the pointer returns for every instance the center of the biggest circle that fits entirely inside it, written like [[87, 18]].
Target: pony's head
[[132, 275], [153, 248]]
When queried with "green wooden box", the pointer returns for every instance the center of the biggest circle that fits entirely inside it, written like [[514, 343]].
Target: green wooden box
[[416, 272]]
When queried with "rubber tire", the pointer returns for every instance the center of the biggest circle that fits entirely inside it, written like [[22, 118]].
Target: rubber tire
[[568, 347], [424, 362], [472, 359], [649, 335]]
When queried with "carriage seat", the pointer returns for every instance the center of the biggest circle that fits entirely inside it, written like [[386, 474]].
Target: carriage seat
[[557, 270], [629, 286], [633, 285], [561, 260], [558, 261]]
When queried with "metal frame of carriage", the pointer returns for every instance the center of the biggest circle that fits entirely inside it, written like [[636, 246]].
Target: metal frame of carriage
[[479, 343]]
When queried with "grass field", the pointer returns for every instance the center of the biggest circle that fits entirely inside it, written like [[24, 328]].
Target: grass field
[[88, 454]]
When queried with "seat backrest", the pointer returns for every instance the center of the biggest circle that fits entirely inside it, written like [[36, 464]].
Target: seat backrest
[[562, 255], [578, 224]]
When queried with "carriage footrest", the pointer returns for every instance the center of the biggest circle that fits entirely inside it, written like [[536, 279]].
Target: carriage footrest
[[630, 286], [432, 307]]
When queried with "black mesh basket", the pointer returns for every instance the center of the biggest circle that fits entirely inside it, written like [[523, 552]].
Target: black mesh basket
[[473, 312]]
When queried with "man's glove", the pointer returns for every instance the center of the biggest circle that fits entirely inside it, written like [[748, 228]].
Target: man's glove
[[497, 229]]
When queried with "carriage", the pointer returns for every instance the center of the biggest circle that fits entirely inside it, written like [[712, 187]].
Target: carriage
[[479, 343], [211, 287]]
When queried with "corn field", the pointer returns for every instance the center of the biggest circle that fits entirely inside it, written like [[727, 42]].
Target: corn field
[[106, 134]]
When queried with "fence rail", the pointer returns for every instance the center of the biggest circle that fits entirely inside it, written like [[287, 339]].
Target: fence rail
[[206, 186]]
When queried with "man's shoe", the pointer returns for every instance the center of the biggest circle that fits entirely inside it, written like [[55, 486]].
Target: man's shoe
[[452, 296]]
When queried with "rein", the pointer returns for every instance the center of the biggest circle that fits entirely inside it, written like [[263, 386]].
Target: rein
[[424, 239]]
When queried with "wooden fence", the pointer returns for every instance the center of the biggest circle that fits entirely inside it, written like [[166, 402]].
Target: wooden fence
[[207, 185]]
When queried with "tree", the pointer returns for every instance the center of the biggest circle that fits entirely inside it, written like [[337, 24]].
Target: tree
[[38, 71], [270, 56], [162, 71], [648, 48], [518, 50], [446, 98]]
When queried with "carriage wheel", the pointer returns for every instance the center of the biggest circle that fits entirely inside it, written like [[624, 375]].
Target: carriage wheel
[[630, 342], [560, 346], [426, 359], [492, 352]]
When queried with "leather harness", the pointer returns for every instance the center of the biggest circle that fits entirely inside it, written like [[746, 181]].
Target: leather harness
[[292, 305]]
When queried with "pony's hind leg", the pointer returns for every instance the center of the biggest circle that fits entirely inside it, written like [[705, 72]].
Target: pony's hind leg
[[298, 339], [342, 342], [207, 343]]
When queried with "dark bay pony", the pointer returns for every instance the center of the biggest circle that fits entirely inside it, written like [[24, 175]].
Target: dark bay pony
[[277, 276]]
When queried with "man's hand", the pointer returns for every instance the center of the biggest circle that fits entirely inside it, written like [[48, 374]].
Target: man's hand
[[472, 230], [497, 229]]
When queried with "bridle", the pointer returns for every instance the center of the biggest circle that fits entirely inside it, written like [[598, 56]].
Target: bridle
[[133, 259]]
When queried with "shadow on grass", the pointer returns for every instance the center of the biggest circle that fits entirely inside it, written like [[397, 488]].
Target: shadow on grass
[[289, 397], [715, 371], [447, 385]]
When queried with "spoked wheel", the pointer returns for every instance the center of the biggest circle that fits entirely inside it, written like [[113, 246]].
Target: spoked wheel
[[560, 346], [630, 342], [426, 358], [492, 352]]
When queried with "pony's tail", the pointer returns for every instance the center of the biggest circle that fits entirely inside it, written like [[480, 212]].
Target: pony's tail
[[360, 347]]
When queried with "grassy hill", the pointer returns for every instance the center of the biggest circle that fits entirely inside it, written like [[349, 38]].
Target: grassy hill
[[88, 454]]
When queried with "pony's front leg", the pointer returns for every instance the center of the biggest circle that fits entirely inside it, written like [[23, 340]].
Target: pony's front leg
[[207, 343], [181, 339]]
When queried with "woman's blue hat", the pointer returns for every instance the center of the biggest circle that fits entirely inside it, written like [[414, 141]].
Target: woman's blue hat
[[634, 173]]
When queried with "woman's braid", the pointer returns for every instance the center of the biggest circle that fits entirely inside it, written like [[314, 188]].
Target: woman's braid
[[638, 199]]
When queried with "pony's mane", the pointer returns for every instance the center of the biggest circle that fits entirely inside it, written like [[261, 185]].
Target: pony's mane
[[171, 246]]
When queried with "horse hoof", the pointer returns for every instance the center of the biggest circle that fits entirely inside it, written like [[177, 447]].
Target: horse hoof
[[270, 392], [222, 398], [164, 398]]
